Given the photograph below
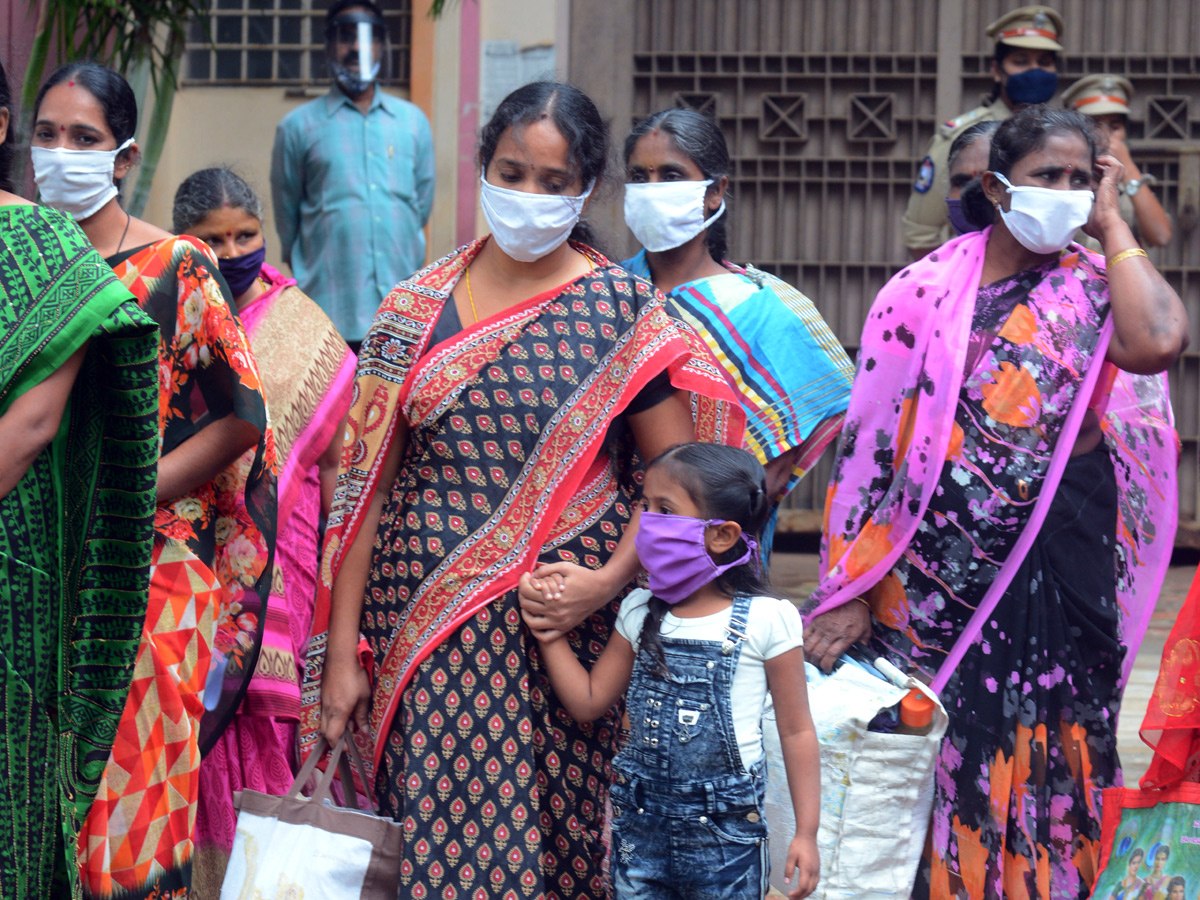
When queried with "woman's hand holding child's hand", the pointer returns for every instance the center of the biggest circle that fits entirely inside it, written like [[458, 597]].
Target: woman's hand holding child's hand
[[556, 597], [533, 601], [804, 863]]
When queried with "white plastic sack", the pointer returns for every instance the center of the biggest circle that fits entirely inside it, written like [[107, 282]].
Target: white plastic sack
[[876, 789]]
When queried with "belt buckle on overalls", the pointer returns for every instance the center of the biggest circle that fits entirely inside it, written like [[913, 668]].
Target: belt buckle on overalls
[[689, 716]]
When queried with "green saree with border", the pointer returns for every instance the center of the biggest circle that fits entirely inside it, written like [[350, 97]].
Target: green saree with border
[[75, 540]]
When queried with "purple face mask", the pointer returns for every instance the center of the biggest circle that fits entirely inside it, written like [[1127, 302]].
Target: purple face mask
[[672, 551], [958, 218], [240, 271]]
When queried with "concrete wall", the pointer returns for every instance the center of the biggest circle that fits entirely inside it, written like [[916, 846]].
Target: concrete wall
[[211, 125]]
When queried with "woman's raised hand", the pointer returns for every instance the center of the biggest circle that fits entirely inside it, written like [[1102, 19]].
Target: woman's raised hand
[[830, 634], [556, 597], [1105, 211], [345, 695]]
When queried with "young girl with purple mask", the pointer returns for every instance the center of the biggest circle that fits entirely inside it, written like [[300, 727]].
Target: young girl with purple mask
[[695, 657]]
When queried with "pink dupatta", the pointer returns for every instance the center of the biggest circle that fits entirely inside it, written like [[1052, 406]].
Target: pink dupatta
[[308, 378], [912, 359]]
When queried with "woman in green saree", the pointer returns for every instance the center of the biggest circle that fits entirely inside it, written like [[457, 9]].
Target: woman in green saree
[[78, 456]]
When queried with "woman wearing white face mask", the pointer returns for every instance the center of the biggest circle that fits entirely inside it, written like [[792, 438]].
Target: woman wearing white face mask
[[77, 384], [214, 524], [495, 395], [791, 373], [1003, 504]]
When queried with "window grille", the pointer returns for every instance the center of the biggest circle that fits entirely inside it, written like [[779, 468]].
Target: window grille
[[280, 42]]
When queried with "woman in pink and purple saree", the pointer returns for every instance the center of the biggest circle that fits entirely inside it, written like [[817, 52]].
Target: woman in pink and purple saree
[[1003, 505], [307, 375]]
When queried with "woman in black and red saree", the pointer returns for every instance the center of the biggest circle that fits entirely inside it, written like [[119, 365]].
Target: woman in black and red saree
[[494, 402]]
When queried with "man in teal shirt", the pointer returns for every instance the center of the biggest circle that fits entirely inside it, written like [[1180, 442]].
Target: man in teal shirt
[[352, 179]]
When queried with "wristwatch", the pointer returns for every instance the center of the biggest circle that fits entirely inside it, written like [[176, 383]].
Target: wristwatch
[[1132, 187]]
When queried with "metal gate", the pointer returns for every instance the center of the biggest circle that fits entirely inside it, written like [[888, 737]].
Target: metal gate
[[828, 105]]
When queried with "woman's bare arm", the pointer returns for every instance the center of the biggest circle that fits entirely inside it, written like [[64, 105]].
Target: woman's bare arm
[[345, 691], [204, 455], [32, 421], [1150, 327]]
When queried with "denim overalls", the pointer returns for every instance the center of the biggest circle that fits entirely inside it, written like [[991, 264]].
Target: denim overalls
[[687, 819]]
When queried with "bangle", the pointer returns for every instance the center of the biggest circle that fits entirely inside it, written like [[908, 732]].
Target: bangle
[[864, 601], [1124, 255]]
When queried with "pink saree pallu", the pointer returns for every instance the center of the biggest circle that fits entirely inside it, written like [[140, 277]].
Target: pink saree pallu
[[1018, 578], [308, 374]]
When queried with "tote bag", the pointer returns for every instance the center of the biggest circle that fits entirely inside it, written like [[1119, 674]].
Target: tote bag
[[876, 788], [1138, 826], [307, 846]]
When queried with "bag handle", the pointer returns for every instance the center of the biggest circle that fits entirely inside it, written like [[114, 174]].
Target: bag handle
[[339, 766]]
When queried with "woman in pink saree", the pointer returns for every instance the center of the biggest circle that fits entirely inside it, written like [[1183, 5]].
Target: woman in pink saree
[[1003, 505], [308, 376]]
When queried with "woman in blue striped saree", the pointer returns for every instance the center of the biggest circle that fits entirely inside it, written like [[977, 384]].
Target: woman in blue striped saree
[[789, 370]]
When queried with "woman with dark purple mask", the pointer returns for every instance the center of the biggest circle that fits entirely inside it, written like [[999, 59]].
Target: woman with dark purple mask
[[308, 374], [968, 160]]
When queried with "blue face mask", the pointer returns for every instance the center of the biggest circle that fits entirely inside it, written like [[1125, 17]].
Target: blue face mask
[[958, 218], [1031, 86]]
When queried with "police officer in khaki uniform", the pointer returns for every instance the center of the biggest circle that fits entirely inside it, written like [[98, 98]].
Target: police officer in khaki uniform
[[1024, 69], [1106, 99]]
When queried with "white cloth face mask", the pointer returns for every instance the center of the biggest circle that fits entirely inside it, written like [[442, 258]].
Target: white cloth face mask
[[667, 214], [77, 182], [529, 226], [1043, 220]]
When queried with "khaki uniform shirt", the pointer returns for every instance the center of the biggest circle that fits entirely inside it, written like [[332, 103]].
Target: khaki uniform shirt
[[925, 225]]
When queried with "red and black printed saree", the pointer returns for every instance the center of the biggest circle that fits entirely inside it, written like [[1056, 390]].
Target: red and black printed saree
[[500, 791]]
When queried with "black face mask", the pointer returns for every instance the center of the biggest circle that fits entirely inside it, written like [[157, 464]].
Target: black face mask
[[1031, 86]]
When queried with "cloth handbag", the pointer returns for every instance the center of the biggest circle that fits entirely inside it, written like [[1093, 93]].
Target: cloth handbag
[[876, 788], [1135, 826], [307, 846]]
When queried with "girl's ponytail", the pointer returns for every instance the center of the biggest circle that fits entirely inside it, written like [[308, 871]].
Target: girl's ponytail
[[650, 639]]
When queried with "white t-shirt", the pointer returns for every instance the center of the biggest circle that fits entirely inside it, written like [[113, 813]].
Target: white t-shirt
[[774, 627]]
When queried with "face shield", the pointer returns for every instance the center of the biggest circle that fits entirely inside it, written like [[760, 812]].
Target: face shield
[[357, 45]]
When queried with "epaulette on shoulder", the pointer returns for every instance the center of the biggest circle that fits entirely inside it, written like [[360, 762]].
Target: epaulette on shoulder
[[968, 118]]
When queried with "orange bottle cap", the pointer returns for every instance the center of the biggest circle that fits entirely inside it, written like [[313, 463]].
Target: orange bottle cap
[[916, 710]]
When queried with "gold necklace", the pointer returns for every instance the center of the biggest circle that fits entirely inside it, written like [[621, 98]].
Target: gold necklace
[[471, 297]]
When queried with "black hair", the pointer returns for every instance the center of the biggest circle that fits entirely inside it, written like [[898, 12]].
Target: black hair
[[577, 120], [1025, 132], [111, 91], [698, 137], [339, 6], [969, 136], [1138, 852], [1177, 880], [6, 148], [999, 55], [209, 189], [1162, 850], [726, 483]]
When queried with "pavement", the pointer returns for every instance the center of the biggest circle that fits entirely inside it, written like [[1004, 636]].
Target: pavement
[[795, 576]]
